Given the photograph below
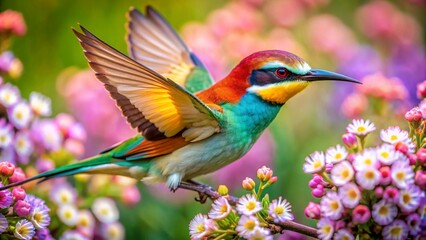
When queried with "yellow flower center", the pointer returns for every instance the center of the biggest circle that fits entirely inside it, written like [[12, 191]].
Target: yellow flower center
[[345, 173], [361, 129], [383, 210], [400, 176], [406, 198], [68, 214], [352, 194], [19, 115], [369, 174], [396, 231], [326, 229], [394, 137], [250, 225], [200, 228], [223, 208], [367, 161], [38, 217], [385, 154], [334, 205], [338, 156], [317, 164], [279, 210], [64, 198], [250, 205]]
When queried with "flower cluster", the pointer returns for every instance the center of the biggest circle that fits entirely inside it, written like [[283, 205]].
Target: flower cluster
[[22, 215], [249, 218], [376, 192]]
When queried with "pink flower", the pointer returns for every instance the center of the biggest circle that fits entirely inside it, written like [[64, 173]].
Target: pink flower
[[19, 193], [264, 173], [391, 194], [130, 195], [414, 115], [354, 105], [350, 140], [13, 22], [17, 176], [7, 169], [22, 208], [313, 211], [361, 214], [420, 179], [294, 12], [421, 155], [248, 184], [421, 90]]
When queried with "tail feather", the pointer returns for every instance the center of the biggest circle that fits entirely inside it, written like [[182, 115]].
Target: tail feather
[[68, 170]]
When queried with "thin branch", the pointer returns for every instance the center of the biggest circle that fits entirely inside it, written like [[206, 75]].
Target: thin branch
[[205, 192]]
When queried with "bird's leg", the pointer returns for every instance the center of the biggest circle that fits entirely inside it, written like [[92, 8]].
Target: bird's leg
[[204, 191]]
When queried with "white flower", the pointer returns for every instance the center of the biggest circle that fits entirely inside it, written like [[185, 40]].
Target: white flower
[[350, 195], [280, 210], [24, 229], [386, 154], [330, 206], [409, 198], [6, 135], [68, 214], [40, 104], [9, 95], [336, 154], [248, 205], [260, 233], [325, 228], [113, 231], [368, 178], [72, 235], [20, 115], [85, 222], [342, 173], [397, 230], [393, 135], [402, 174], [314, 163], [200, 227], [343, 234], [360, 127], [366, 159], [63, 194], [384, 212], [105, 210], [39, 216], [220, 209], [23, 144], [246, 226]]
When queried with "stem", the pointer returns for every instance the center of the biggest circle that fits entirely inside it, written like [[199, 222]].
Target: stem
[[208, 192]]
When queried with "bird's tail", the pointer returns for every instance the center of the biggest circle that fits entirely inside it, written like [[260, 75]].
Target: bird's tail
[[67, 170]]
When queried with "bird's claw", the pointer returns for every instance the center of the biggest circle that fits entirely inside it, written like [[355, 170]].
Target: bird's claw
[[202, 197]]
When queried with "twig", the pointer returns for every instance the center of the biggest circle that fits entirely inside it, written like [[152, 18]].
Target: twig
[[206, 192]]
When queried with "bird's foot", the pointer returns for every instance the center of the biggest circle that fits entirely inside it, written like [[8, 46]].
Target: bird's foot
[[204, 191]]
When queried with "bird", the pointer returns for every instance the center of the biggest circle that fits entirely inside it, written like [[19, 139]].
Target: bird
[[188, 125]]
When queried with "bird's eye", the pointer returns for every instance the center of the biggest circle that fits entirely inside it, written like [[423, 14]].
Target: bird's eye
[[281, 72]]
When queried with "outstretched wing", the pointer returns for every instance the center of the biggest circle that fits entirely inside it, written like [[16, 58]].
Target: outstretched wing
[[158, 107], [153, 43]]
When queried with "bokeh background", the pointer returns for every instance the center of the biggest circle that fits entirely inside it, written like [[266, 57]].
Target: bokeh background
[[379, 42]]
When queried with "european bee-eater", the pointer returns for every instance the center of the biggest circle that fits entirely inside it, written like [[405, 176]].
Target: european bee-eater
[[187, 125]]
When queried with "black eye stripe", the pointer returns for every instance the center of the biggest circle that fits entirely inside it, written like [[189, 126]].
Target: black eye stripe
[[261, 77]]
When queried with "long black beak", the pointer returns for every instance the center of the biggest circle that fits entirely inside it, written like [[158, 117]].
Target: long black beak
[[322, 75]]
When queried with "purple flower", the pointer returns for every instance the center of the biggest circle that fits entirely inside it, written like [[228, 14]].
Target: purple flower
[[9, 95], [39, 216], [6, 61], [384, 212], [20, 115], [396, 230], [24, 229], [413, 221], [44, 234], [6, 135], [22, 208], [409, 198], [23, 146], [34, 201], [47, 135], [4, 224], [6, 198]]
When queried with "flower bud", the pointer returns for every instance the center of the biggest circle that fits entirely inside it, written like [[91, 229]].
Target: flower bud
[[22, 208], [223, 190], [313, 211], [19, 193], [350, 140], [413, 159], [420, 179], [391, 194], [7, 169], [401, 147], [131, 195], [17, 176], [421, 90], [378, 192], [421, 155], [386, 175], [361, 214], [414, 115], [328, 167], [273, 179], [264, 174], [312, 184], [248, 184], [318, 192]]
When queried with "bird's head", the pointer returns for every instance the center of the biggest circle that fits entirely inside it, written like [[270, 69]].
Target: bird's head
[[276, 76]]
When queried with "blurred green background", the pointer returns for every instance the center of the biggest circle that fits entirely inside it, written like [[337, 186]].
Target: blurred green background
[[305, 124]]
